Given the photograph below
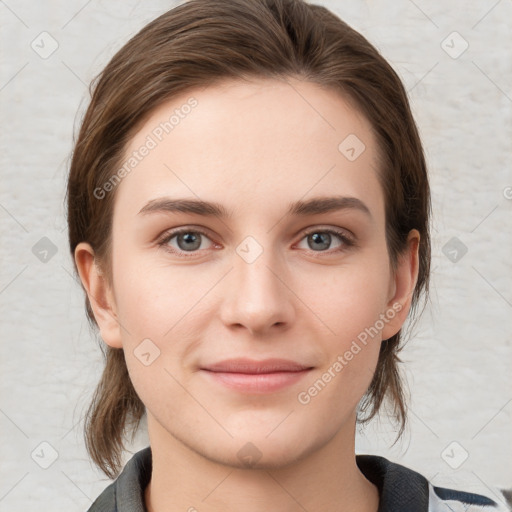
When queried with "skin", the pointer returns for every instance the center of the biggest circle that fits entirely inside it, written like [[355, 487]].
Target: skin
[[253, 147]]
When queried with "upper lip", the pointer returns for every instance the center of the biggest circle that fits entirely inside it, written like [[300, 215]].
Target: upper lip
[[244, 365]]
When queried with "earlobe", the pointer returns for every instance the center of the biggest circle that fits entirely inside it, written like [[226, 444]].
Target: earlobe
[[405, 278], [99, 294]]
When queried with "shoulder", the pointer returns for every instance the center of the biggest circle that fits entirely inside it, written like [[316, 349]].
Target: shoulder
[[106, 501], [403, 489], [126, 493]]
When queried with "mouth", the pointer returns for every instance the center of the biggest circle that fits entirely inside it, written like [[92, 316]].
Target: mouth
[[250, 376]]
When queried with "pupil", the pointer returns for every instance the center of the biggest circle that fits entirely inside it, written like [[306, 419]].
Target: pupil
[[189, 241], [318, 237]]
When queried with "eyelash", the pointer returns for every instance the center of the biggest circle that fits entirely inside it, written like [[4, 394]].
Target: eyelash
[[347, 241]]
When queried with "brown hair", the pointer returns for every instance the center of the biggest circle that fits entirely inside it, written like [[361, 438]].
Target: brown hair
[[194, 45]]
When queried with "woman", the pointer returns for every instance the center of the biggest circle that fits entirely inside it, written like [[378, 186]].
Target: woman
[[222, 144]]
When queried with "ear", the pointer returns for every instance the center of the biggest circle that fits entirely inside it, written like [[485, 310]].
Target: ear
[[100, 295], [402, 286]]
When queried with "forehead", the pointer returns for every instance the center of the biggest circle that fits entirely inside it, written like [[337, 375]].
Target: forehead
[[255, 145]]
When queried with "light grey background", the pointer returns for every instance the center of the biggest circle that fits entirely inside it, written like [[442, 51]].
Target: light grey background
[[457, 364]]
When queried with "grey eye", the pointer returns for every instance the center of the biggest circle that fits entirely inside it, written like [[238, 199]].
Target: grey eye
[[188, 241], [319, 240]]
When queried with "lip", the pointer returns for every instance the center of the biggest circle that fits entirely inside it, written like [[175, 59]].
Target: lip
[[251, 376]]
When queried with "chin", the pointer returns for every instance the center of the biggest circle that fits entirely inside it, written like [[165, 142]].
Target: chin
[[259, 450], [258, 456]]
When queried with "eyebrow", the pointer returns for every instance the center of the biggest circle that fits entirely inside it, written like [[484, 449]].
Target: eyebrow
[[313, 206]]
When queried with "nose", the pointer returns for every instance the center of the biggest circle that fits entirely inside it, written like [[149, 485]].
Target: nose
[[258, 297]]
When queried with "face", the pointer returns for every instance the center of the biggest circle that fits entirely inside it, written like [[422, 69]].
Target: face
[[251, 326]]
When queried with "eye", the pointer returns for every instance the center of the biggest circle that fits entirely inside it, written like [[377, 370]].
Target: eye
[[319, 240], [191, 240], [187, 240]]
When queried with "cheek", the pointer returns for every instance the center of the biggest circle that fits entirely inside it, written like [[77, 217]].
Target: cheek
[[162, 311], [350, 299], [153, 298], [351, 353], [352, 307]]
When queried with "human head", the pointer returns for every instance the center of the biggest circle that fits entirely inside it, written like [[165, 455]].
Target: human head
[[239, 39]]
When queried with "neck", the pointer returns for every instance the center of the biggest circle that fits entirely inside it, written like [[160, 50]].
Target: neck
[[326, 480]]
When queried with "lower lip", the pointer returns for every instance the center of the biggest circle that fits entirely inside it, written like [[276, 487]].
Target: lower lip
[[257, 383]]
